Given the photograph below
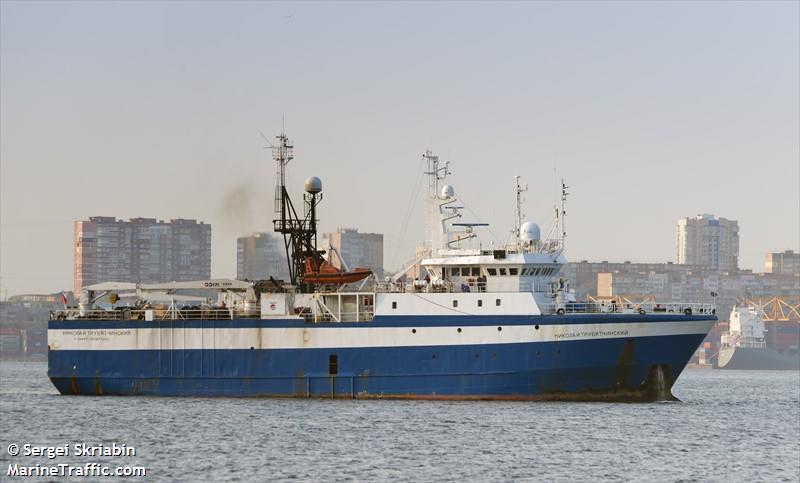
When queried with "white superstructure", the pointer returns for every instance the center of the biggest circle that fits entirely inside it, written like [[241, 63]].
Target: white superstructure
[[746, 328]]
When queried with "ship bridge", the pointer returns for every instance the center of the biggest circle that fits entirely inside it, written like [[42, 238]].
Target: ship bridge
[[492, 271]]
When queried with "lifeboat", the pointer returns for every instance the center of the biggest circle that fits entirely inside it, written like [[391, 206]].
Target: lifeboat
[[327, 273]]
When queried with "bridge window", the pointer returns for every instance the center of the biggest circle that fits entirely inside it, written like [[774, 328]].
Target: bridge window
[[492, 271], [512, 271], [465, 271], [455, 271], [502, 271], [476, 271]]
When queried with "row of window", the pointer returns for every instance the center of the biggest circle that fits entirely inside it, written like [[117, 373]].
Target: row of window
[[525, 272], [493, 272]]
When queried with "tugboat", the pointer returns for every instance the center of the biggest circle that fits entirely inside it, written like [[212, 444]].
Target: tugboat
[[475, 323]]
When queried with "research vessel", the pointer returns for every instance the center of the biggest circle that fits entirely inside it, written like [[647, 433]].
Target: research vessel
[[464, 321]]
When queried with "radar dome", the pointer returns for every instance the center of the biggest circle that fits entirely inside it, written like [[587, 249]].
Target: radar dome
[[313, 185], [448, 191], [529, 231]]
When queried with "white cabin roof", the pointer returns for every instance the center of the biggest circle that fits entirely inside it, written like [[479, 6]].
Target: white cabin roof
[[510, 259]]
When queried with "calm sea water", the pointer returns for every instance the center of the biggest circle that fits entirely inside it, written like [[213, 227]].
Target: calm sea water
[[731, 426]]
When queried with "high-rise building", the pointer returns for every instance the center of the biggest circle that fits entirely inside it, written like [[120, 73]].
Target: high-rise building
[[260, 256], [708, 242], [785, 263], [357, 249], [141, 250]]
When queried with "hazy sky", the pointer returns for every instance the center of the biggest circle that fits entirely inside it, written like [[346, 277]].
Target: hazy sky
[[651, 111]]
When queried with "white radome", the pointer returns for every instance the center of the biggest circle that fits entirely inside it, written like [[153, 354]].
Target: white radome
[[448, 191], [530, 231], [313, 185]]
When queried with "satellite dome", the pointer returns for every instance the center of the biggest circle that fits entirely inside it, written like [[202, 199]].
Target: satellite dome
[[529, 231], [313, 185], [448, 191]]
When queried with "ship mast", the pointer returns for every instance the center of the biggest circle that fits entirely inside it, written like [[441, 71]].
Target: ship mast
[[299, 234], [518, 213], [562, 215], [435, 223]]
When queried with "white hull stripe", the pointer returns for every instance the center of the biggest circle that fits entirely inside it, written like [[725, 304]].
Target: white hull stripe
[[354, 337]]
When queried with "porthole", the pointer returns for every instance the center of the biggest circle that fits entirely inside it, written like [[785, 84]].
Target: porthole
[[455, 303], [497, 302], [413, 331], [480, 303], [394, 305], [459, 330], [499, 329], [536, 327]]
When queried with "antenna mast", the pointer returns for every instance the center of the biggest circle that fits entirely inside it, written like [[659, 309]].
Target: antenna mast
[[518, 212], [563, 214], [435, 219], [282, 153], [299, 234], [435, 173]]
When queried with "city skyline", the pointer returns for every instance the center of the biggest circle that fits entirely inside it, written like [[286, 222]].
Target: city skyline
[[650, 112]]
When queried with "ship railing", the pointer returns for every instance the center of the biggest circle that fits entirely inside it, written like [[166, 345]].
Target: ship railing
[[216, 313], [344, 317], [439, 286], [650, 308], [750, 342]]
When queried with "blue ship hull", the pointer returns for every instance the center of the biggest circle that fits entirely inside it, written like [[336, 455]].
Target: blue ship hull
[[637, 368]]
